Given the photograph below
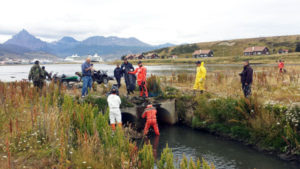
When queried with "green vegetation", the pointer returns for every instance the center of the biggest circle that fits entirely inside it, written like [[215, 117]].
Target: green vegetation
[[271, 127], [291, 58], [54, 130], [233, 47]]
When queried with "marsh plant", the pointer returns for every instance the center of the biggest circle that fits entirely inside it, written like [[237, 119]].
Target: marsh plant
[[51, 129], [271, 127]]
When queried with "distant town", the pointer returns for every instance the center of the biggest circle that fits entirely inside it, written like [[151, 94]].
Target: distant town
[[70, 59]]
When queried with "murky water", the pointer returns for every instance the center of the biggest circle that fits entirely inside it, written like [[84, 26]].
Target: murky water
[[223, 153], [19, 72]]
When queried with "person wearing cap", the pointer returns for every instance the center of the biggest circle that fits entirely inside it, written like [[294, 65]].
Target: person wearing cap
[[141, 79], [129, 79], [200, 77], [150, 115], [36, 75], [114, 103], [86, 68]]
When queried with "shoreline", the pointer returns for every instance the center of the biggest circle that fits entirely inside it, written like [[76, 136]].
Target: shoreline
[[281, 156]]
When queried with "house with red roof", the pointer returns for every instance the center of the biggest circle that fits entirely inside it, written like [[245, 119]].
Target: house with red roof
[[256, 50], [203, 53]]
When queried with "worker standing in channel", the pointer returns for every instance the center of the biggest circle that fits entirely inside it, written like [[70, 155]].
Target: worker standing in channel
[[281, 66], [129, 79], [36, 75], [200, 77], [114, 103], [150, 115], [86, 68], [246, 79], [118, 74], [141, 79]]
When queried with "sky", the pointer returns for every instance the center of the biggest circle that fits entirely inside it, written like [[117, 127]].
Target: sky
[[151, 21]]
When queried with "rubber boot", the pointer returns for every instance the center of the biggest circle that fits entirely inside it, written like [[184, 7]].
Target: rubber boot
[[120, 125], [113, 127]]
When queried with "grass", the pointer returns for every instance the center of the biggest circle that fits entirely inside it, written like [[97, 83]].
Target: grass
[[270, 127], [269, 120], [51, 129], [230, 48], [291, 58], [268, 84]]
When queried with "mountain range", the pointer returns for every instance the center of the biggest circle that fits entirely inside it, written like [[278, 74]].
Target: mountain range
[[23, 44]]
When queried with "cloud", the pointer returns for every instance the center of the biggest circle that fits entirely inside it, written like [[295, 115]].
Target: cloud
[[153, 21]]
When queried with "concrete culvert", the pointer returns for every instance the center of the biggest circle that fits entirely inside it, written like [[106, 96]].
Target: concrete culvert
[[128, 119], [163, 116]]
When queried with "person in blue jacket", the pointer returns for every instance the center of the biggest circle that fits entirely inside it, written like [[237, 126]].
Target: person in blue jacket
[[118, 74]]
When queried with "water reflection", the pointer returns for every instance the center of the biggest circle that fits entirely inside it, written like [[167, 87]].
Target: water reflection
[[224, 154]]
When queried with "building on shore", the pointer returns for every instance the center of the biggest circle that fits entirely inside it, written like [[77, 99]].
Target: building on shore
[[173, 57], [152, 56], [203, 53], [256, 50], [135, 56], [283, 51]]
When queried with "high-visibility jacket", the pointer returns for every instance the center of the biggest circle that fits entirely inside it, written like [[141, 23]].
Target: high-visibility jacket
[[141, 74], [200, 77], [150, 114], [280, 65]]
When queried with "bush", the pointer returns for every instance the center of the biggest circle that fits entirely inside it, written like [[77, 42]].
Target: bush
[[240, 132], [153, 86]]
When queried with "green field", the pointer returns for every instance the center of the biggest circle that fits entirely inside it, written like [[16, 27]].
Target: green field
[[291, 58], [233, 47]]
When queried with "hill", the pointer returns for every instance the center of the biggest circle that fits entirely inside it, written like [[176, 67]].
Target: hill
[[109, 48], [24, 39], [233, 47]]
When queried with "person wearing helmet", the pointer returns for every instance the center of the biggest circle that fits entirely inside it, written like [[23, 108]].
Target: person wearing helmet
[[141, 79], [114, 103], [150, 115], [200, 77]]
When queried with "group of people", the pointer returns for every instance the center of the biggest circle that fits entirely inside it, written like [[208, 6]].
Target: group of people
[[38, 75], [128, 72], [246, 78]]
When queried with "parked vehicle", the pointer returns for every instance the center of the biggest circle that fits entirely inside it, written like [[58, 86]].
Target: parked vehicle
[[68, 81], [99, 76]]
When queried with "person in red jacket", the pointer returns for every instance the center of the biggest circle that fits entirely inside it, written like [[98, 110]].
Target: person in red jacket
[[141, 79], [150, 114], [281, 66]]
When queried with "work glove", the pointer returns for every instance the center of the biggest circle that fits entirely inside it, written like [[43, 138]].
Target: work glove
[[201, 80]]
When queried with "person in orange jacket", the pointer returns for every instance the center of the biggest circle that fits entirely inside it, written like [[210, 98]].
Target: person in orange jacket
[[141, 79], [281, 66], [150, 114]]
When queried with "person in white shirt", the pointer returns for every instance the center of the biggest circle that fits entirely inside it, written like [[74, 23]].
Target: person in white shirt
[[114, 103]]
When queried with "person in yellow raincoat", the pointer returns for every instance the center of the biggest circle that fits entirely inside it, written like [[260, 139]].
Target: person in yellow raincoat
[[200, 77]]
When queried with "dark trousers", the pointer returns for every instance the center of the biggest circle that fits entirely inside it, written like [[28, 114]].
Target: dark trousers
[[246, 89], [119, 82], [38, 84]]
